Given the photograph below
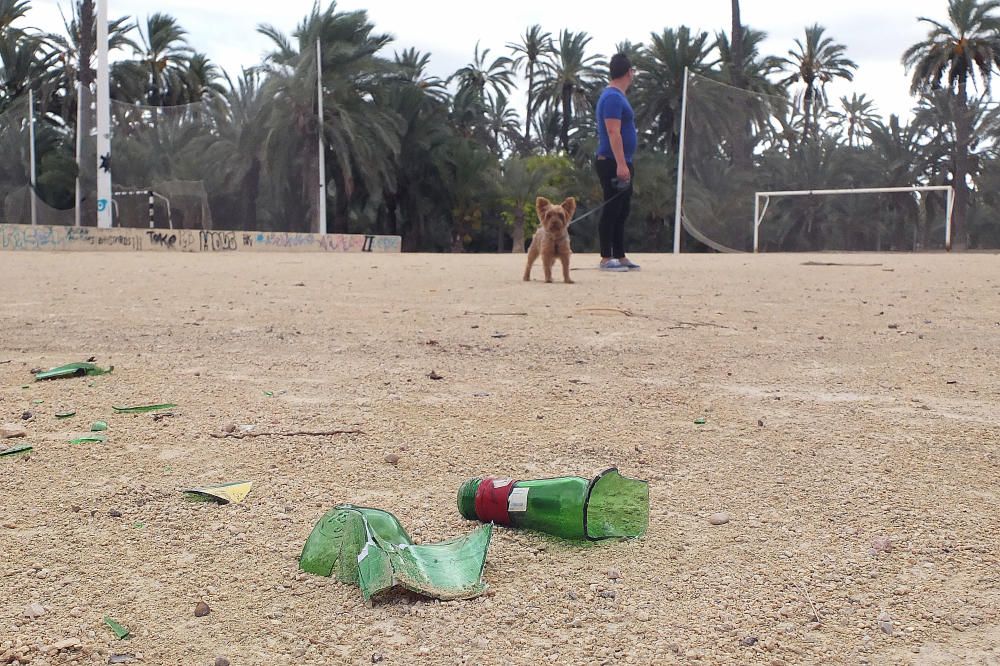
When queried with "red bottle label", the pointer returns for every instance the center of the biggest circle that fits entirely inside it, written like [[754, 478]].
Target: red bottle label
[[491, 500]]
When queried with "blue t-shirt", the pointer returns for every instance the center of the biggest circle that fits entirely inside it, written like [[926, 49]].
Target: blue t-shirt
[[613, 104]]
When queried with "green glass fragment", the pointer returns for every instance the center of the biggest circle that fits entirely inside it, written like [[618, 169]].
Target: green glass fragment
[[121, 632], [98, 426], [618, 507], [65, 415], [370, 548], [14, 450], [89, 439], [143, 409], [701, 421], [73, 370]]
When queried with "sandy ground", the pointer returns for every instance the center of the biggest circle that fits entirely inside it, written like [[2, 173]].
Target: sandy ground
[[843, 404]]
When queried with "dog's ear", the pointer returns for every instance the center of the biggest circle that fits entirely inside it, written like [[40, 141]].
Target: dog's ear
[[569, 206], [541, 205]]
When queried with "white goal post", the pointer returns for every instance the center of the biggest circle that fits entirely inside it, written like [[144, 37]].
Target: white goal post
[[759, 211]]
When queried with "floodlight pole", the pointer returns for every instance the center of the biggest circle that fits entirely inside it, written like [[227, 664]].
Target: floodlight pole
[[31, 153], [104, 216], [678, 214], [79, 152], [321, 226]]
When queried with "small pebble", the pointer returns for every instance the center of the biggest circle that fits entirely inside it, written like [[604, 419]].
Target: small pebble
[[115, 513], [12, 431], [614, 574], [34, 610], [26, 416], [885, 623], [719, 518], [229, 428], [882, 544], [202, 609], [392, 459], [221, 661], [749, 641], [608, 594]]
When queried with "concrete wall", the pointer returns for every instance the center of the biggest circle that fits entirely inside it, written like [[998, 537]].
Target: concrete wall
[[26, 237]]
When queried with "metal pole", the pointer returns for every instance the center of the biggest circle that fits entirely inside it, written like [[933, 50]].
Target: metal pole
[[104, 215], [152, 207], [756, 223], [947, 223], [321, 227], [678, 215], [79, 152], [31, 155]]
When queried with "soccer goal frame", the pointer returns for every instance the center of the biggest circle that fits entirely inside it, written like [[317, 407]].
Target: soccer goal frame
[[152, 197], [760, 211]]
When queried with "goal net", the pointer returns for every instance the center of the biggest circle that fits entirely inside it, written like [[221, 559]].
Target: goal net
[[50, 201], [759, 176]]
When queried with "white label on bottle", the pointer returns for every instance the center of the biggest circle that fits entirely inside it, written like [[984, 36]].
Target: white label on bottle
[[518, 500], [502, 483]]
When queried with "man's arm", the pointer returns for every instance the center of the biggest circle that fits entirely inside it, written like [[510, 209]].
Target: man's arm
[[614, 127]]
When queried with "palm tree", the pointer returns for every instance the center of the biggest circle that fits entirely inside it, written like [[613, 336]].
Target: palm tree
[[12, 10], [413, 199], [471, 177], [968, 44], [756, 71], [815, 63], [202, 79], [484, 79], [503, 124], [754, 75], [570, 76], [232, 152], [855, 117], [660, 84], [533, 49], [164, 54], [362, 138]]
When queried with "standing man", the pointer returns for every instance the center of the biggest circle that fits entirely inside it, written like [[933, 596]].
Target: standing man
[[618, 140]]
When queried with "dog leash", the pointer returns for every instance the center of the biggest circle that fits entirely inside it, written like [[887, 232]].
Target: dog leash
[[601, 207]]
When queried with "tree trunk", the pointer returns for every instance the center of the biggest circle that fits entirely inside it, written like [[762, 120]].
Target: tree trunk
[[807, 102], [527, 115], [742, 150], [567, 96], [963, 132], [736, 48], [390, 209], [518, 232]]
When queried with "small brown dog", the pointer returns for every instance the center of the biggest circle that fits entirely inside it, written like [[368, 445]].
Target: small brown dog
[[552, 238]]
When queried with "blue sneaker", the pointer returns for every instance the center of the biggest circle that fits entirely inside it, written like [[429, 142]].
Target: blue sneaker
[[613, 266], [630, 265]]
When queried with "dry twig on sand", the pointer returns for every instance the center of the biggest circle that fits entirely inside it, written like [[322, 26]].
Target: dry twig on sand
[[301, 433], [627, 313]]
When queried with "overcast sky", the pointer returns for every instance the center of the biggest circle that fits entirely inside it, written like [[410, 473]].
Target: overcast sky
[[875, 32]]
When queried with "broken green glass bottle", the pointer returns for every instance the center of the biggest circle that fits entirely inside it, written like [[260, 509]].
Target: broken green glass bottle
[[608, 507]]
